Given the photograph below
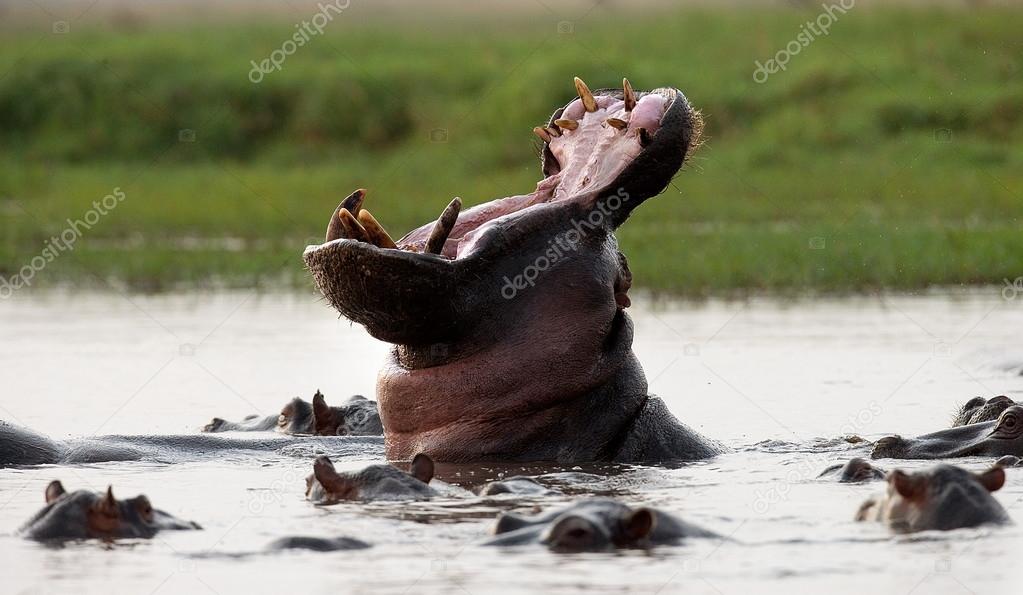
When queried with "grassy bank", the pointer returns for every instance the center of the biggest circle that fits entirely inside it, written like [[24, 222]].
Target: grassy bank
[[885, 155]]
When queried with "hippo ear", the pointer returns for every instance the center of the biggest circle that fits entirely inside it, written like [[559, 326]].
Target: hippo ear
[[509, 521], [639, 523], [337, 485], [993, 479], [910, 487], [422, 468], [54, 490], [324, 422]]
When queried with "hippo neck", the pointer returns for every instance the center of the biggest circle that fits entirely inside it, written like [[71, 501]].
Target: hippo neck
[[524, 397]]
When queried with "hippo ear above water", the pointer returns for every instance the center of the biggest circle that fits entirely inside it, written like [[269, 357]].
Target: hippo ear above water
[[638, 523], [54, 490], [324, 420], [421, 468], [910, 487], [993, 479]]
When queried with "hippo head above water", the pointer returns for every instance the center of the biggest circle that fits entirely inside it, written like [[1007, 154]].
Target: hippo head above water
[[508, 319], [1003, 436], [941, 498], [89, 515]]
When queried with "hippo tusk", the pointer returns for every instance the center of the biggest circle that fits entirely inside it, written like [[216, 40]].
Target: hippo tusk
[[542, 133], [553, 131], [376, 232], [644, 137], [629, 95], [353, 229], [567, 124], [353, 203], [442, 229], [617, 123], [586, 95]]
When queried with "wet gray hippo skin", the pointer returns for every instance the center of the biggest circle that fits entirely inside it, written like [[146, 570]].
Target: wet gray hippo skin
[[598, 524], [376, 482], [516, 486], [998, 438], [89, 515], [356, 416], [21, 446], [940, 498], [979, 409], [317, 544], [508, 319], [853, 471]]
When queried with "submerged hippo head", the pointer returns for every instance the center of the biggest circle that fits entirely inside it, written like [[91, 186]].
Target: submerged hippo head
[[853, 471], [89, 515], [941, 498], [377, 482], [979, 409], [1001, 437], [357, 416], [512, 341], [598, 524]]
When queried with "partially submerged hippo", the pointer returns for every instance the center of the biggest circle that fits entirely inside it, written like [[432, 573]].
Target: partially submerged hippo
[[597, 524], [1003, 436], [940, 498], [317, 544], [508, 319], [357, 416], [377, 482], [23, 446], [853, 471], [89, 515], [979, 409], [517, 485]]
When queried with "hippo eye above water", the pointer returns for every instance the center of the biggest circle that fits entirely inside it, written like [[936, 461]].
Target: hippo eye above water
[[1010, 422]]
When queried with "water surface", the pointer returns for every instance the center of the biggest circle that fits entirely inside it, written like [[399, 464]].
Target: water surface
[[777, 382]]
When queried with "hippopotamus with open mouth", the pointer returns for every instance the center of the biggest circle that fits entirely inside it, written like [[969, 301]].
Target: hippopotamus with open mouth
[[508, 319], [1003, 436], [88, 515], [941, 498]]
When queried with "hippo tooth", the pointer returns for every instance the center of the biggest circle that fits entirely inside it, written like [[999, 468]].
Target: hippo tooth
[[584, 93], [566, 124], [334, 229], [354, 201], [442, 229], [377, 234], [553, 131], [629, 95], [644, 137], [542, 133], [617, 123], [353, 229]]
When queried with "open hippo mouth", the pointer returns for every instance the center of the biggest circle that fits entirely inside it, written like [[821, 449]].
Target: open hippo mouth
[[508, 316], [1003, 436]]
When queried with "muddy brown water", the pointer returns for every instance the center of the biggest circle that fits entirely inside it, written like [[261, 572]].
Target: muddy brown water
[[775, 381]]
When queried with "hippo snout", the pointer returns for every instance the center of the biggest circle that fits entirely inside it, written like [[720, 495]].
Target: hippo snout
[[889, 447]]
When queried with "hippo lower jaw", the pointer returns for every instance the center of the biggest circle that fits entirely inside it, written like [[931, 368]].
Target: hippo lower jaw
[[511, 339]]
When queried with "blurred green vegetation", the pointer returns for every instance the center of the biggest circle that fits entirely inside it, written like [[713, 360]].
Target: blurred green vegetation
[[887, 155]]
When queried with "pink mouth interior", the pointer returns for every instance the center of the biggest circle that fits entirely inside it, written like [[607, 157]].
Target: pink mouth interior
[[591, 157]]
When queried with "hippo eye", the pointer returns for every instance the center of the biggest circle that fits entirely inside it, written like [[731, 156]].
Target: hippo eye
[[1009, 423]]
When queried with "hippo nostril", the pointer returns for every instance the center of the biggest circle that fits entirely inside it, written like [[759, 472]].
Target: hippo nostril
[[1000, 399], [975, 402]]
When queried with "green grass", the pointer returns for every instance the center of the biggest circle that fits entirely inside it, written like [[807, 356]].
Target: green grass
[[835, 175]]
